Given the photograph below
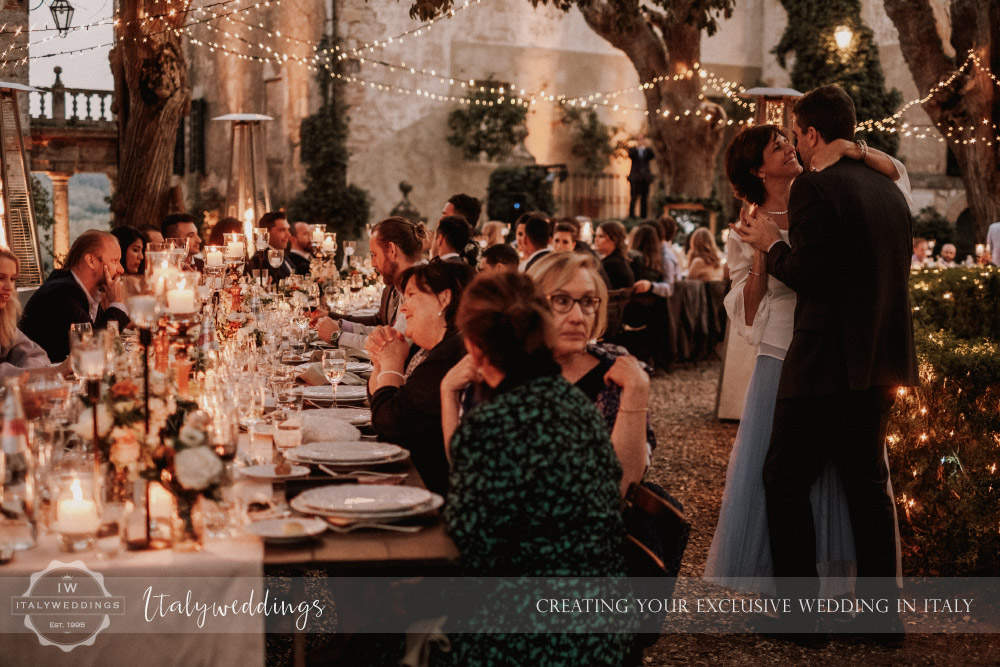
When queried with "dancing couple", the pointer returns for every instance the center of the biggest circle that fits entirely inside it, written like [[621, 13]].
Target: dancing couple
[[820, 268]]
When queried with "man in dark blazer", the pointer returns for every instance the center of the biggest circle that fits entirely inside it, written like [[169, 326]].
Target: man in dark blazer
[[299, 253], [852, 348], [535, 238], [92, 277], [639, 176]]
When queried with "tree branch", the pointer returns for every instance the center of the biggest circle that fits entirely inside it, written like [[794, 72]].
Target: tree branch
[[919, 41]]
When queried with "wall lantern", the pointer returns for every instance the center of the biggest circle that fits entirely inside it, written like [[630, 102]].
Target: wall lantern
[[843, 36], [62, 14]]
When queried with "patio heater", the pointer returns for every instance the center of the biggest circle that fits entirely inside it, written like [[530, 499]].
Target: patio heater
[[774, 105], [16, 212], [246, 194]]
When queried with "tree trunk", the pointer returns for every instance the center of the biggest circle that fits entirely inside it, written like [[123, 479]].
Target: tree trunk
[[685, 149], [151, 96], [969, 100]]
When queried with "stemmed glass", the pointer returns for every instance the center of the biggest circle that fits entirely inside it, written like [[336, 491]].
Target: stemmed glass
[[334, 367], [275, 257]]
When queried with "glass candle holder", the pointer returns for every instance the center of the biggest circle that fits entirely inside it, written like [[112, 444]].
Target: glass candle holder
[[77, 517]]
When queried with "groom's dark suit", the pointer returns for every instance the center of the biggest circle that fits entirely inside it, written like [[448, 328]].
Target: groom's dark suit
[[849, 264]]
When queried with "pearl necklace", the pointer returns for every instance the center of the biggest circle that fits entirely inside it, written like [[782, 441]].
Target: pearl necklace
[[775, 212]]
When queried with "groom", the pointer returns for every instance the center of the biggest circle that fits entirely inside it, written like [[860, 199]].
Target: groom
[[849, 264]]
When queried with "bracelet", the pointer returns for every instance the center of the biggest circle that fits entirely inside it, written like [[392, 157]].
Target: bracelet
[[863, 145], [629, 412], [401, 376], [756, 274]]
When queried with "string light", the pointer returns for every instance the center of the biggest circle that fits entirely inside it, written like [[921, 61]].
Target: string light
[[414, 32]]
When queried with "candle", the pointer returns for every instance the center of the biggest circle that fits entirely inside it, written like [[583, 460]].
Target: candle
[[161, 501], [329, 245], [180, 300], [980, 249], [213, 258], [76, 515], [234, 250], [317, 236]]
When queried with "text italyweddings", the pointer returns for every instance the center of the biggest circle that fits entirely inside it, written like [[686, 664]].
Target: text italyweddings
[[163, 605], [55, 605]]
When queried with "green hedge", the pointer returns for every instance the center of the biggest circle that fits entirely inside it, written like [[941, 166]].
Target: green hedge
[[944, 436]]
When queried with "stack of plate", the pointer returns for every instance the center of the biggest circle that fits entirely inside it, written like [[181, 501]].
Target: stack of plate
[[367, 502], [345, 393], [353, 416], [357, 453]]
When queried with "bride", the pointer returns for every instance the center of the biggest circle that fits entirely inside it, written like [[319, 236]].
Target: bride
[[761, 164]]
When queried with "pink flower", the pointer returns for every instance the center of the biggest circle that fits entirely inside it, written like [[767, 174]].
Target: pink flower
[[124, 447]]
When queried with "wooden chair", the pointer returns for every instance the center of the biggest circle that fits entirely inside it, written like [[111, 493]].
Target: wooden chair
[[618, 300]]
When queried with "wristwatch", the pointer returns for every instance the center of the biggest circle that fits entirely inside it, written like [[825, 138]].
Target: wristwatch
[[335, 338]]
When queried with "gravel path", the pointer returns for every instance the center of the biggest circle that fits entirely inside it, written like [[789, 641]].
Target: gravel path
[[690, 462]]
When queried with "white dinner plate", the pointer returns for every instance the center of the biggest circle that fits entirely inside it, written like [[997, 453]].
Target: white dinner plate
[[266, 472], [359, 452], [359, 367], [287, 531], [344, 392], [435, 502], [350, 499], [355, 416], [401, 456]]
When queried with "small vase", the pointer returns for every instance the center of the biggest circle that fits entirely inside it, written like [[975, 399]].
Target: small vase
[[189, 529]]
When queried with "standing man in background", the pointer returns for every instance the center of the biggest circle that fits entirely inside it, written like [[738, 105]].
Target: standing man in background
[[639, 176]]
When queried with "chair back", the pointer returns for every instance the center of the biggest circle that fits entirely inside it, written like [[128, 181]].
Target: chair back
[[618, 300]]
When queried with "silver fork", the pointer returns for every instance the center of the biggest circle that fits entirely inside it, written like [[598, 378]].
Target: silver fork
[[361, 473]]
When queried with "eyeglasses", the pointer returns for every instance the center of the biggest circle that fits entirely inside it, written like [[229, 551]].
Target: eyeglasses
[[563, 303]]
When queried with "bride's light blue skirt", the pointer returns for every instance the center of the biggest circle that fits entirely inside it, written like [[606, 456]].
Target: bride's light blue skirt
[[740, 555]]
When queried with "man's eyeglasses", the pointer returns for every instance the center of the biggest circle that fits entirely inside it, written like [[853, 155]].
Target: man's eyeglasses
[[563, 303]]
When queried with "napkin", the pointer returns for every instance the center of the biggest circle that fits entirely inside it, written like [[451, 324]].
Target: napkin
[[313, 375], [421, 637], [324, 429]]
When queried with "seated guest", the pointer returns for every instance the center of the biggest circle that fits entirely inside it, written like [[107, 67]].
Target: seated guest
[[300, 252], [74, 294], [500, 257], [646, 254], [152, 234], [18, 353], [396, 244], [947, 259], [453, 241], [223, 227], [493, 232], [704, 262], [405, 399], [665, 228], [534, 236], [278, 236], [133, 247], [182, 226], [534, 479], [465, 206], [921, 251], [609, 242], [565, 236]]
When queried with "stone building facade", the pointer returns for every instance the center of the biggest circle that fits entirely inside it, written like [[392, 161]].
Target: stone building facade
[[396, 136]]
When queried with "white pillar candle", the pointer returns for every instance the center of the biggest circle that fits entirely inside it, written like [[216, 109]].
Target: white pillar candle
[[161, 501], [213, 258], [180, 301], [234, 250], [329, 245], [76, 515], [317, 236]]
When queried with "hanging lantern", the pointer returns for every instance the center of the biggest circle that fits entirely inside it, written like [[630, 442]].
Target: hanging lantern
[[17, 230], [774, 105], [62, 14], [247, 197]]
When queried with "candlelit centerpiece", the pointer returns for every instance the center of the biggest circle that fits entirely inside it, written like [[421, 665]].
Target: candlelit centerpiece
[[76, 511]]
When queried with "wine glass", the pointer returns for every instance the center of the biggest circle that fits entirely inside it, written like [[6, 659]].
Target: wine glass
[[80, 331], [250, 402], [275, 257], [301, 318], [334, 367]]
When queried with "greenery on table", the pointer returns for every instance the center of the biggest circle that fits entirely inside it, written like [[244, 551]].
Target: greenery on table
[[944, 436], [819, 61], [487, 125], [513, 191], [327, 197]]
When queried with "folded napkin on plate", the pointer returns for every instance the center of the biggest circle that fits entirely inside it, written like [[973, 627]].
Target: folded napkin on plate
[[324, 429], [313, 375], [421, 638]]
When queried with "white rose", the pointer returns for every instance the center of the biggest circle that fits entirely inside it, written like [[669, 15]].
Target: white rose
[[85, 426], [197, 468], [191, 437]]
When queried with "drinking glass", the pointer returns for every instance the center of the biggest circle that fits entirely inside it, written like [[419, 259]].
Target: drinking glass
[[288, 435], [250, 402], [334, 367], [301, 319], [275, 257], [80, 331]]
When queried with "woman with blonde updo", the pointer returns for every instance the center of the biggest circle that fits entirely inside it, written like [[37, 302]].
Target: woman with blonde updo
[[704, 260]]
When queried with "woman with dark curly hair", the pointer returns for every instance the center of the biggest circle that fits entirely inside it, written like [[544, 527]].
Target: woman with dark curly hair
[[133, 245]]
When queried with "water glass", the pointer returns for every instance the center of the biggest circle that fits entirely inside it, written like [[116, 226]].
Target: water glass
[[334, 367], [111, 533], [275, 257], [261, 444], [288, 434]]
